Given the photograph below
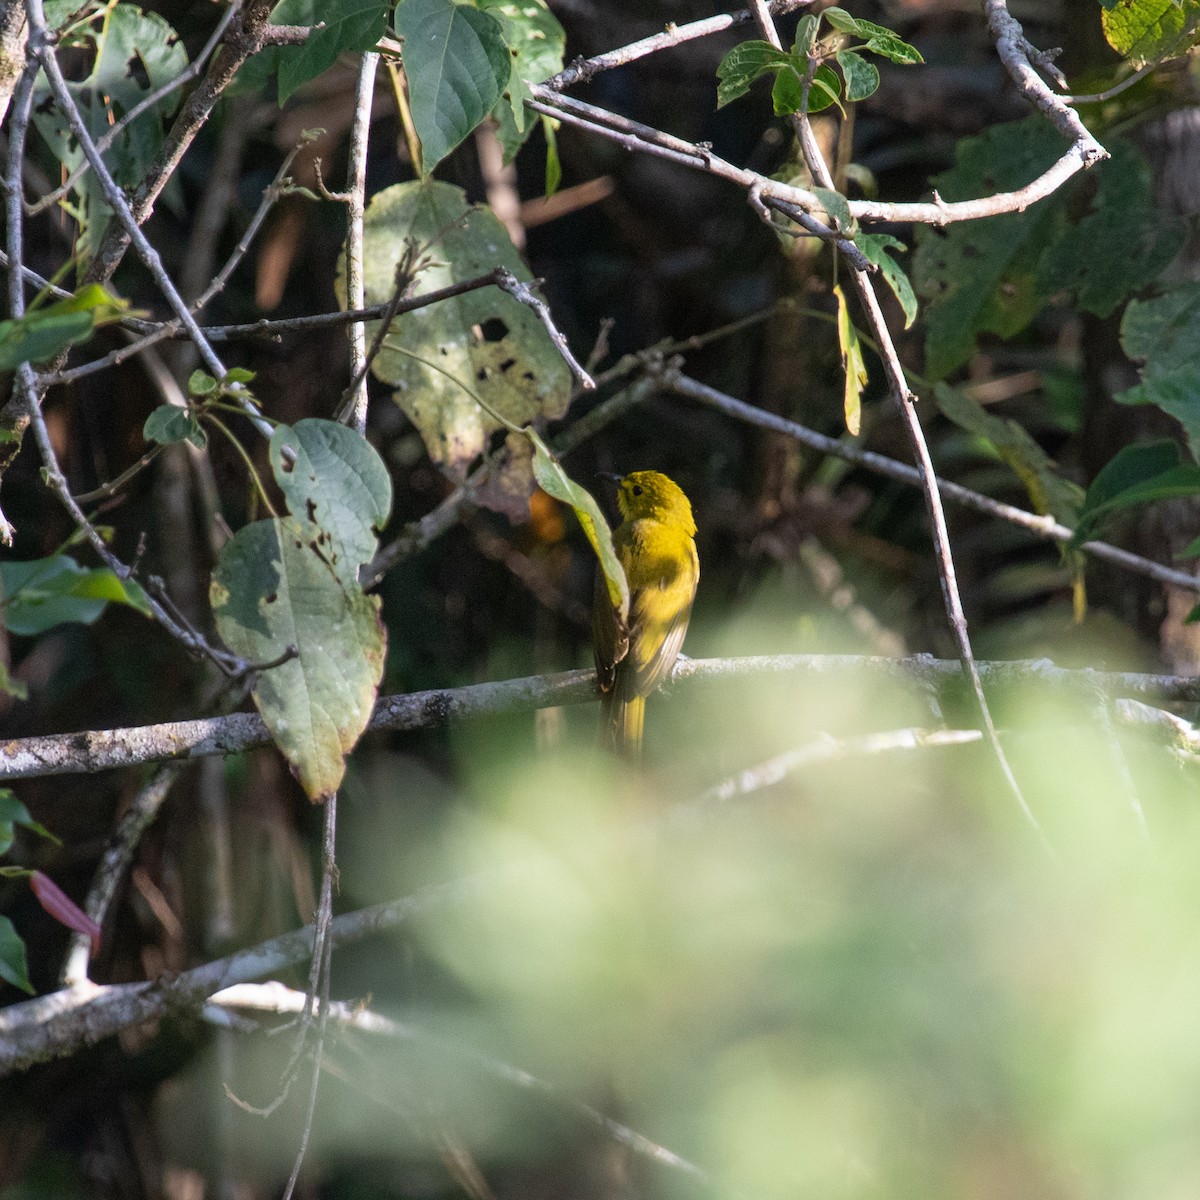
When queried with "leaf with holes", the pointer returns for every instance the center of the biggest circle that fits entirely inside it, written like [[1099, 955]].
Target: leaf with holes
[[290, 586], [131, 54], [482, 343], [334, 479]]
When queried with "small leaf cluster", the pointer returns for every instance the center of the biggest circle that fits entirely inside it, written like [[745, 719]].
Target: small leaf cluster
[[170, 423], [804, 78]]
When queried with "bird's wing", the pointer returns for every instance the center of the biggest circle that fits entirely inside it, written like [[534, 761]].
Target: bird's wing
[[610, 642], [655, 643]]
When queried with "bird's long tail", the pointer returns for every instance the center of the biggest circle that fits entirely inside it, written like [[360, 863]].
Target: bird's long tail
[[623, 723]]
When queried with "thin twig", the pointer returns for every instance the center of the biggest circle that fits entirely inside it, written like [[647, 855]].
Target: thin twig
[[1041, 525], [522, 292]]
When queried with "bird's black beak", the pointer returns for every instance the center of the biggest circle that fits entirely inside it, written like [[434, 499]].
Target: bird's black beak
[[609, 475]]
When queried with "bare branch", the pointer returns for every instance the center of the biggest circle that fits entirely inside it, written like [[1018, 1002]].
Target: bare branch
[[1043, 526], [101, 750], [355, 286]]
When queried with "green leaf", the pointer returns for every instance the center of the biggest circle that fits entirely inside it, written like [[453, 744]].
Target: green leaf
[[862, 77], [1176, 392], [879, 40], [13, 812], [352, 26], [1137, 475], [41, 335], [238, 375], [42, 332], [272, 589], [10, 686], [332, 476], [806, 36], [482, 343], [1163, 333], [1048, 491], [536, 42], [200, 384], [876, 246], [54, 591], [825, 90], [553, 164], [554, 481], [982, 276], [745, 63], [293, 582], [169, 423], [457, 66], [1121, 245], [13, 967], [837, 207], [854, 367], [787, 92], [1147, 31]]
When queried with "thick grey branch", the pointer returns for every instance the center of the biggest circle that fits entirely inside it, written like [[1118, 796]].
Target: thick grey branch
[[100, 750]]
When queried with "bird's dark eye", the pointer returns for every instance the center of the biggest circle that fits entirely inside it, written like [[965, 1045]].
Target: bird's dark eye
[[637, 489]]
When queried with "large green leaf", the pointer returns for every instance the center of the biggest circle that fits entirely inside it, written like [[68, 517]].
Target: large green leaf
[[982, 276], [1137, 475], [457, 66], [351, 26], [1120, 246], [1146, 31], [482, 343], [1164, 333], [273, 589], [45, 592], [536, 42], [292, 583]]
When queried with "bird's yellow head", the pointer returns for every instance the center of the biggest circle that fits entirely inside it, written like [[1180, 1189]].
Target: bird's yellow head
[[643, 494]]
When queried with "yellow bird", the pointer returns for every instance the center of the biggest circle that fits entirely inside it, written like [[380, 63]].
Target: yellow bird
[[655, 545]]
